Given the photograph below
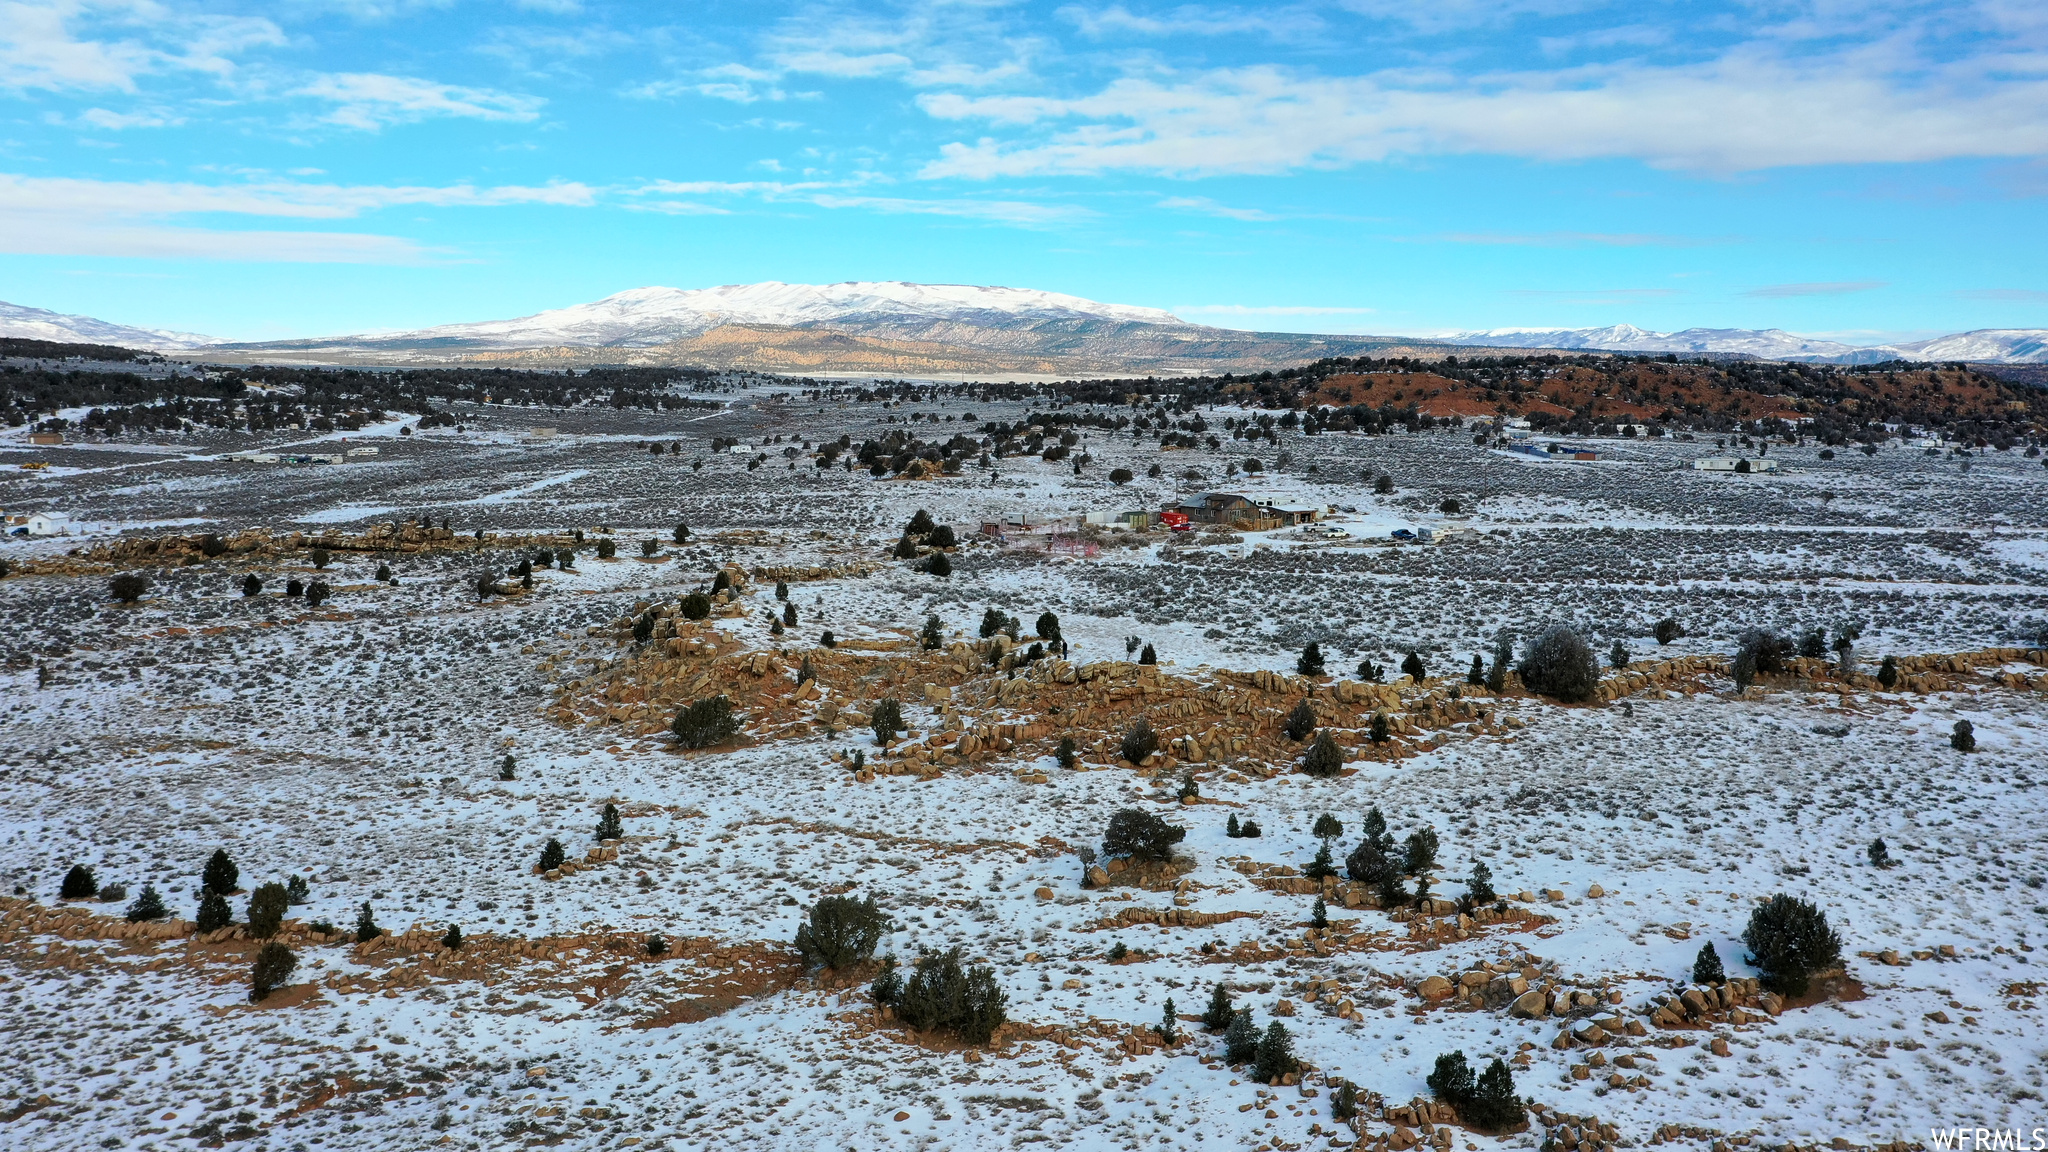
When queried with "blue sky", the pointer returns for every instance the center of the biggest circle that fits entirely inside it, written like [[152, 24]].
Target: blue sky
[[1863, 170]]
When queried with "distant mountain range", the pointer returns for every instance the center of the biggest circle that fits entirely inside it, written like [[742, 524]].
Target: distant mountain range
[[1985, 345], [891, 327], [22, 323]]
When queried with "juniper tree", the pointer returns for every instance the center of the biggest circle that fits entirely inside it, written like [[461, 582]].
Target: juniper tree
[[1420, 856], [1322, 865], [1880, 854], [383, 574], [149, 905], [920, 524], [681, 534], [933, 636], [1451, 1080], [649, 547], [267, 906], [1169, 1025], [657, 944], [608, 826], [1477, 674], [1503, 656], [1370, 672], [705, 723], [1230, 827], [1618, 656], [1066, 754], [1964, 737], [552, 854], [695, 606], [992, 622], [1558, 663], [1706, 967], [1323, 759], [789, 614], [1140, 835], [1326, 826], [366, 920], [607, 548], [906, 548], [78, 884], [841, 931], [220, 874], [1888, 673], [886, 720], [940, 564], [1241, 1038], [1218, 1015], [452, 939], [941, 995], [1310, 663], [1048, 627], [1493, 1105], [1300, 723], [1666, 631], [505, 769], [272, 969], [1412, 667], [1148, 656], [1189, 788], [128, 587], [888, 986], [1319, 914], [1381, 731], [1139, 741], [1480, 886], [252, 584], [1274, 1056], [1789, 940], [213, 912]]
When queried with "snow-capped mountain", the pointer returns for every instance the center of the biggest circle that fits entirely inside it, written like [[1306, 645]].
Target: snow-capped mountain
[[1765, 344], [645, 317], [1985, 345], [1999, 345], [19, 322]]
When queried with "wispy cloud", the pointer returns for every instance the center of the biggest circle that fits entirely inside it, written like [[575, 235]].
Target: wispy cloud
[[1278, 23], [106, 45], [1746, 110], [1208, 207], [1597, 295], [372, 100], [1574, 239], [846, 195], [1270, 310], [53, 216], [1820, 288], [2008, 295]]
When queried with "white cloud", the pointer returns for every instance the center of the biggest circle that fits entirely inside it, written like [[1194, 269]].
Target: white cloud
[[844, 194], [116, 121], [1743, 111], [1269, 310], [371, 100], [1573, 239], [1018, 212], [1192, 20], [57, 216], [1828, 288], [1209, 207], [105, 45]]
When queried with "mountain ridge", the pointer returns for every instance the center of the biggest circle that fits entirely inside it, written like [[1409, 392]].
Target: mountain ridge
[[967, 328]]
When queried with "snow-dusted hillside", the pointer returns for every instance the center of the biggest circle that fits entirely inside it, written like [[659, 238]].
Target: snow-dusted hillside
[[1767, 343], [1998, 345], [21, 322], [1983, 345], [643, 317]]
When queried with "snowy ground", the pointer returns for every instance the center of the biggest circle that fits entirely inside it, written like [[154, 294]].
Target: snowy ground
[[358, 746]]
